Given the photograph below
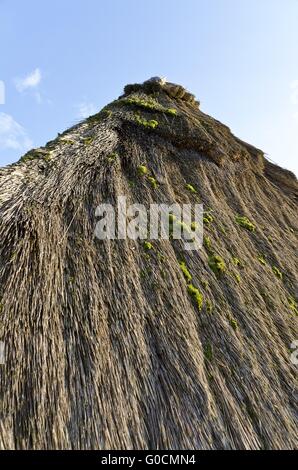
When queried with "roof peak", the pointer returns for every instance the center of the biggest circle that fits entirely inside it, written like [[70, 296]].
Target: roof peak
[[157, 83]]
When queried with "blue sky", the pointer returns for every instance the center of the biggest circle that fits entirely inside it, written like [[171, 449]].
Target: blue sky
[[61, 60]]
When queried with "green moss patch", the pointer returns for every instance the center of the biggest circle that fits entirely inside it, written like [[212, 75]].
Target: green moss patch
[[185, 271], [152, 181], [245, 223], [207, 218], [151, 123], [190, 188], [171, 111], [277, 272], [36, 154], [142, 103], [293, 305], [148, 104], [103, 113], [236, 261], [207, 243], [196, 296], [262, 260], [217, 264], [147, 246], [237, 277], [88, 140], [142, 170], [233, 323]]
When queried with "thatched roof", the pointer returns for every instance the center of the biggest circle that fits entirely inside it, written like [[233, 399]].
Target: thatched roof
[[105, 348]]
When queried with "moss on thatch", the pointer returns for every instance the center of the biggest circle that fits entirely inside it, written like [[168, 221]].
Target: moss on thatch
[[277, 272], [207, 219], [217, 264], [207, 243], [148, 246], [196, 296], [149, 123], [152, 181], [293, 305], [190, 188], [262, 260], [236, 261], [245, 223], [142, 170], [185, 271], [148, 104]]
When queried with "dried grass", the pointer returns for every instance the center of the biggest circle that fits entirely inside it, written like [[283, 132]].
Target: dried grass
[[105, 348]]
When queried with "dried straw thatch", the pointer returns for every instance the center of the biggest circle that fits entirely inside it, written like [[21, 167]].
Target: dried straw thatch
[[105, 346]]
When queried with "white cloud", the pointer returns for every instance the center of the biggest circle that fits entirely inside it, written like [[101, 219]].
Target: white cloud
[[86, 109], [13, 135], [30, 81]]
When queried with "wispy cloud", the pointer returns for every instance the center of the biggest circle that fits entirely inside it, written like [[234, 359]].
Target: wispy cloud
[[32, 80], [85, 110], [13, 135]]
